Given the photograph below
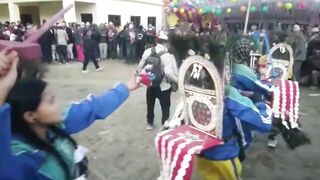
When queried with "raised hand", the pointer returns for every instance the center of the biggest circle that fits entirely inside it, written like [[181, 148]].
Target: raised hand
[[8, 72]]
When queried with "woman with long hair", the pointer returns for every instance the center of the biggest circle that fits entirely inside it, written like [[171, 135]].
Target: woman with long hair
[[35, 140]]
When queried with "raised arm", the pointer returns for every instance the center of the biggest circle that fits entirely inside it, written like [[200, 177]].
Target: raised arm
[[257, 117], [81, 115]]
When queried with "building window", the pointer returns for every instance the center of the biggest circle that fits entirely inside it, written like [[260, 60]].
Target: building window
[[86, 18], [115, 19], [152, 20], [136, 20]]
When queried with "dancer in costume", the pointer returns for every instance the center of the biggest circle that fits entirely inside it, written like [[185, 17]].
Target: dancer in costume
[[239, 115]]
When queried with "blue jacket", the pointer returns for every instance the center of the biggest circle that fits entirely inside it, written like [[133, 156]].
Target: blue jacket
[[19, 160], [240, 116]]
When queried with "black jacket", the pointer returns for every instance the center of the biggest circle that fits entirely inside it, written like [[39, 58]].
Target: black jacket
[[88, 46]]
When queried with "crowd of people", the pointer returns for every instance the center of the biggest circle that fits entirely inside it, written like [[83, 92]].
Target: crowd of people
[[304, 40], [72, 41]]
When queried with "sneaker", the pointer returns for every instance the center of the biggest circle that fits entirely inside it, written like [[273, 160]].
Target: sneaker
[[99, 69], [313, 88], [272, 143], [149, 127], [85, 71]]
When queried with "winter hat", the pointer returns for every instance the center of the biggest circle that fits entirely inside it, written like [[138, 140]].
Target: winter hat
[[296, 27], [241, 51]]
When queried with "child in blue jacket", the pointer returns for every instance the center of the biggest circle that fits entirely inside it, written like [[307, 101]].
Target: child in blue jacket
[[35, 142]]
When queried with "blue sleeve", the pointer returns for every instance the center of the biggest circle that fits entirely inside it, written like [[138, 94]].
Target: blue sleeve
[[5, 134], [257, 118], [12, 167], [81, 115], [244, 83]]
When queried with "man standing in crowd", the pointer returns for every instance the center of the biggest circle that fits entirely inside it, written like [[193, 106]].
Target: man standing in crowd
[[298, 43], [150, 36], [170, 74], [141, 42], [121, 43], [62, 42], [70, 40], [220, 36], [96, 38], [45, 43], [131, 43], [112, 41], [89, 51], [103, 41]]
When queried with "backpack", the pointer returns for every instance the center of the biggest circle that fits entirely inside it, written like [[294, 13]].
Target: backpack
[[153, 66]]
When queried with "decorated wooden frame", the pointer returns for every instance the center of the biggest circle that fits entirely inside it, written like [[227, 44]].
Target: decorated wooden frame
[[202, 89], [282, 62], [201, 112]]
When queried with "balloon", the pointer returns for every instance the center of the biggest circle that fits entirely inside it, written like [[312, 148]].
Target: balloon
[[174, 3], [193, 10], [233, 1], [288, 6], [207, 9], [253, 9], [302, 5], [220, 1], [279, 4], [218, 11], [182, 10], [243, 9], [201, 11], [265, 9], [175, 9], [229, 11]]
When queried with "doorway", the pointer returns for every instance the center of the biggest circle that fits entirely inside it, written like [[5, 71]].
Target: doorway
[[26, 18], [86, 18]]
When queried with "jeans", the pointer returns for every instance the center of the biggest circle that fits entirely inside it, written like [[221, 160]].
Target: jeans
[[164, 97], [131, 52], [62, 53], [103, 50], [70, 51], [54, 52]]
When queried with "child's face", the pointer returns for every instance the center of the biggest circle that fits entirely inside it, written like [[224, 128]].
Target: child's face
[[48, 112]]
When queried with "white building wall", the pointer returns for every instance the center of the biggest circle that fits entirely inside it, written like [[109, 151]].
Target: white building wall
[[86, 8], [47, 10], [4, 13], [127, 8]]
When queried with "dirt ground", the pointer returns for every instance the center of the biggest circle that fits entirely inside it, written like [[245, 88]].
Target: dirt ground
[[121, 148]]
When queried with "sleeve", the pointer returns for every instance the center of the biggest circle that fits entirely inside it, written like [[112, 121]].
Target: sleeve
[[5, 134], [170, 68], [257, 118], [244, 83], [13, 167], [145, 55], [81, 115]]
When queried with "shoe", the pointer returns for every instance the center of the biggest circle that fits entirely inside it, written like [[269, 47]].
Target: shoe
[[272, 143], [99, 69], [149, 127], [313, 88], [85, 71]]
